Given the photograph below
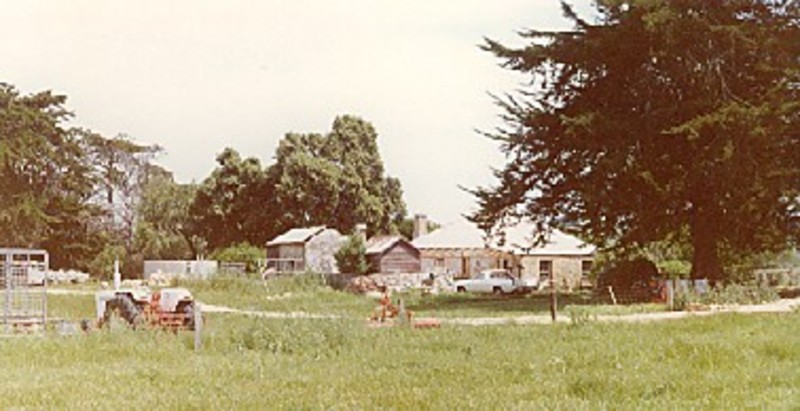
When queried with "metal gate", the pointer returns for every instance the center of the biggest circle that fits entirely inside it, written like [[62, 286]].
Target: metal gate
[[23, 281]]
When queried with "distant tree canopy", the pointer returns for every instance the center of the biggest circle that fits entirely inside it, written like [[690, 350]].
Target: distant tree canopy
[[659, 117], [65, 189], [45, 183], [163, 229], [89, 199], [335, 180]]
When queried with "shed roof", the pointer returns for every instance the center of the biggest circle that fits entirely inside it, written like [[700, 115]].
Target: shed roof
[[380, 244], [516, 239], [296, 235]]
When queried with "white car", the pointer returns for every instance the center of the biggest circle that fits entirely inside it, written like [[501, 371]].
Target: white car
[[496, 281]]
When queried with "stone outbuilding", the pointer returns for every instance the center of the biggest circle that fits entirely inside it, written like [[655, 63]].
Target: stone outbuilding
[[392, 254], [305, 249]]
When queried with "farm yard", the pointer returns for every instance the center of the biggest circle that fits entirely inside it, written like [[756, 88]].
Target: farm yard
[[725, 361], [213, 223]]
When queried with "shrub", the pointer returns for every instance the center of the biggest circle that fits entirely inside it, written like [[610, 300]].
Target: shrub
[[630, 279], [741, 294], [350, 258], [102, 266], [734, 294], [240, 253], [675, 268]]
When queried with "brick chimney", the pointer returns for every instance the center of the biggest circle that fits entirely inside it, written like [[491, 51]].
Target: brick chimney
[[420, 225]]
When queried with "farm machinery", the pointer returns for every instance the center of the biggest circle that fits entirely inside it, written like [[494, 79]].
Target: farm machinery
[[169, 308]]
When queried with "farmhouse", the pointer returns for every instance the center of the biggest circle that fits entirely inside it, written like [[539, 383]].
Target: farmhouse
[[457, 250], [301, 249], [392, 254], [562, 258], [462, 250]]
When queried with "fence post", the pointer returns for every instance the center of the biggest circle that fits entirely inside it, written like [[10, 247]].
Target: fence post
[[613, 296], [198, 326], [553, 298], [671, 294], [7, 281]]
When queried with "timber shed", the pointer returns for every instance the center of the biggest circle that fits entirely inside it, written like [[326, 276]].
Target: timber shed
[[305, 249], [392, 254]]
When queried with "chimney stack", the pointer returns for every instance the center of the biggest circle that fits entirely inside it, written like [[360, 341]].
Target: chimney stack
[[420, 225]]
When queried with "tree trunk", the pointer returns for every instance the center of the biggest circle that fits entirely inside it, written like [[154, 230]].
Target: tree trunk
[[705, 259]]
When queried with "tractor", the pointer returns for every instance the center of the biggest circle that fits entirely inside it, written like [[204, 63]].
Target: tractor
[[168, 308]]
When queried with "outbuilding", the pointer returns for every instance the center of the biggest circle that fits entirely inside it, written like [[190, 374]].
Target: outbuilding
[[305, 249], [392, 254]]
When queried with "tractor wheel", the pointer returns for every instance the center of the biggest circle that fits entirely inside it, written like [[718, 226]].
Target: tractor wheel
[[128, 310], [187, 309], [124, 307]]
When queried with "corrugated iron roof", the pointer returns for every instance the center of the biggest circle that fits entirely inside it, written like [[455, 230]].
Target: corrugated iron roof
[[379, 244], [520, 238], [517, 239], [462, 234], [296, 235]]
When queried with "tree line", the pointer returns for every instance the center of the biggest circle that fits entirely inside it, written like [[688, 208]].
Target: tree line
[[89, 199]]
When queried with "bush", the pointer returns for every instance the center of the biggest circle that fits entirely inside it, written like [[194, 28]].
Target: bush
[[240, 253], [350, 258], [675, 268], [102, 266], [734, 294], [630, 280]]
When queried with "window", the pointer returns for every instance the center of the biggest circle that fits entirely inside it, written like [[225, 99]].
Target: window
[[586, 268], [503, 274], [545, 268], [439, 262]]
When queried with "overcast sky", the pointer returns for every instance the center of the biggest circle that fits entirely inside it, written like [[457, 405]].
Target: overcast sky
[[197, 76]]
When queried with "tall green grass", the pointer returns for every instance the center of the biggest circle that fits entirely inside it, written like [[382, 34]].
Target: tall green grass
[[729, 361], [306, 293]]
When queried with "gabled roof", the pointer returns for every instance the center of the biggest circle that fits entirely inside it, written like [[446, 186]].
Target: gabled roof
[[520, 238], [461, 235], [381, 244], [296, 235], [517, 239]]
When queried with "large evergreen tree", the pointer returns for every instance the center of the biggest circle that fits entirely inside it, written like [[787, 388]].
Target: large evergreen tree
[[658, 116]]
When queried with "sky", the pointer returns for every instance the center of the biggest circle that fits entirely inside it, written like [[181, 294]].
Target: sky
[[197, 76]]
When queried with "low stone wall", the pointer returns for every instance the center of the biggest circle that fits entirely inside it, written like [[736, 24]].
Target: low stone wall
[[396, 282]]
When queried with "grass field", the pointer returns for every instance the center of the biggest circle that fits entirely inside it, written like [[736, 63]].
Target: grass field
[[723, 362], [307, 294]]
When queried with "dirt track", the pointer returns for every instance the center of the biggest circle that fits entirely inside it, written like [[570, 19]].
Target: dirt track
[[780, 306]]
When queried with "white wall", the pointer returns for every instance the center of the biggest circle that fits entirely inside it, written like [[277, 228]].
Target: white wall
[[181, 268]]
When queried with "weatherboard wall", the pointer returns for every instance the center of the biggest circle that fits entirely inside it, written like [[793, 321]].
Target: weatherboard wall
[[401, 257]]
